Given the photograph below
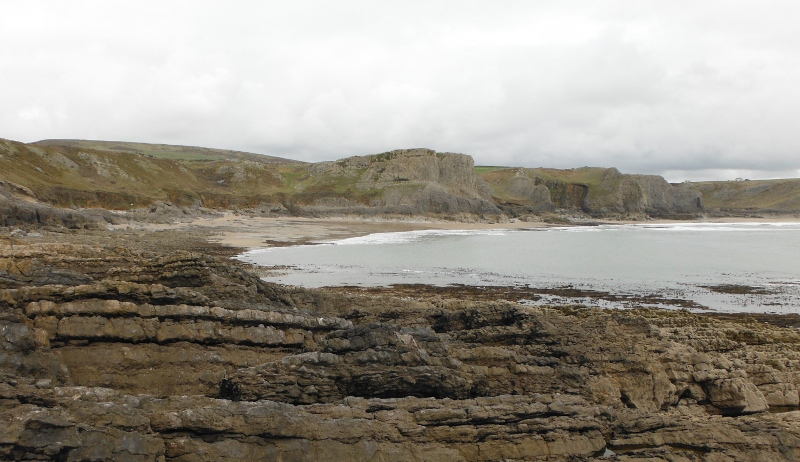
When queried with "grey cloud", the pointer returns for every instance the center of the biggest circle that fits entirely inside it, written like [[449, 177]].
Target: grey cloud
[[688, 89]]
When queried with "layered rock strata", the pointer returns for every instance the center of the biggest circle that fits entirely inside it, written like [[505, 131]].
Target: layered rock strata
[[598, 192], [648, 195], [116, 353], [405, 181]]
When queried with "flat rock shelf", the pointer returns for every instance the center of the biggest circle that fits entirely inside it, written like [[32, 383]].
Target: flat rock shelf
[[133, 346]]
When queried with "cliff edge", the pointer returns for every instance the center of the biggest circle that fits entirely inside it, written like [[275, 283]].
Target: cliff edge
[[598, 192], [406, 181]]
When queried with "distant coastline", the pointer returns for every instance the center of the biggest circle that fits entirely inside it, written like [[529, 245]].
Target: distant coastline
[[247, 233], [82, 183]]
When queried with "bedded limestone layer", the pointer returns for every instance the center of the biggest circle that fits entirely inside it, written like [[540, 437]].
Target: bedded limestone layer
[[111, 353]]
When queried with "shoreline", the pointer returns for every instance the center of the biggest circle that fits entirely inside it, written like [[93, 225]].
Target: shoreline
[[722, 296], [158, 341], [251, 233]]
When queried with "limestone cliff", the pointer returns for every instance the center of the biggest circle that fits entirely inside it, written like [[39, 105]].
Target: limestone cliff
[[595, 191], [407, 181], [649, 195]]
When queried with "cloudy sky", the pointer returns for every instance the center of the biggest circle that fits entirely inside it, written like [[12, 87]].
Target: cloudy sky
[[686, 89]]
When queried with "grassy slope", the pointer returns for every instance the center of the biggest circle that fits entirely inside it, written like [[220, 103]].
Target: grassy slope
[[498, 178], [772, 195], [166, 151], [130, 175], [67, 176], [117, 179], [116, 174], [481, 169], [229, 174], [597, 179]]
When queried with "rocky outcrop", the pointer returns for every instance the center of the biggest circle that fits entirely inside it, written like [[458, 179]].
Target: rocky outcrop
[[405, 182], [645, 382], [409, 165], [601, 193], [123, 353], [19, 207], [649, 195], [403, 166], [376, 361], [538, 194]]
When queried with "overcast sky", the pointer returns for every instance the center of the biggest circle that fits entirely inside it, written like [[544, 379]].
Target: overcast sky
[[686, 89]]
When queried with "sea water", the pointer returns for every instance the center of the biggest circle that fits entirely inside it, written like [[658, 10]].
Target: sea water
[[680, 262]]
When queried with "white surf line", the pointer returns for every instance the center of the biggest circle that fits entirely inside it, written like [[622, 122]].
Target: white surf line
[[412, 236]]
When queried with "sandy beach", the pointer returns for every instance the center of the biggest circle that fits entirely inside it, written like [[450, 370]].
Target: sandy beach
[[258, 232], [247, 232]]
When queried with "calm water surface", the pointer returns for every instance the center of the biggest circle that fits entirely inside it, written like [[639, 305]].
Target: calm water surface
[[675, 261]]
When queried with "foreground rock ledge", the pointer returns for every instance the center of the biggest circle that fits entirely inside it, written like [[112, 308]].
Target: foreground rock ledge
[[109, 351]]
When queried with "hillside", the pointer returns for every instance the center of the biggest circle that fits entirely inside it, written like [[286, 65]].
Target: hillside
[[751, 196], [409, 182], [124, 176], [166, 151], [67, 176]]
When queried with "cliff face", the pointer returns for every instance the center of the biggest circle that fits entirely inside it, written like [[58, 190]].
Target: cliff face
[[115, 352], [423, 165], [649, 195], [408, 181], [742, 198], [19, 206], [597, 192]]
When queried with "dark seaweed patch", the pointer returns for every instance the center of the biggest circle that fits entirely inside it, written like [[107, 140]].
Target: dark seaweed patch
[[738, 289]]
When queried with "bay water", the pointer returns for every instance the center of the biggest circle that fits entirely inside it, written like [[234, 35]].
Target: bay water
[[732, 267]]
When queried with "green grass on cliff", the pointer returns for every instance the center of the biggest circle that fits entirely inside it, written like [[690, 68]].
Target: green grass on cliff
[[768, 195], [498, 178], [129, 175], [68, 176], [165, 151], [585, 175], [602, 183], [480, 169], [602, 180], [589, 176]]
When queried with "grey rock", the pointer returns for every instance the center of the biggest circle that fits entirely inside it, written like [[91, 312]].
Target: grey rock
[[736, 396]]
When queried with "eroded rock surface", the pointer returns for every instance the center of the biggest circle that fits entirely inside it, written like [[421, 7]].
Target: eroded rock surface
[[408, 181], [112, 352]]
